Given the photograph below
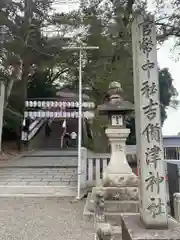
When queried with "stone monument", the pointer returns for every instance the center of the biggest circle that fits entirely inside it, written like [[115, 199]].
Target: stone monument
[[118, 192], [152, 222]]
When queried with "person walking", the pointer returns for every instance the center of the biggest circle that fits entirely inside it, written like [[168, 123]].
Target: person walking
[[48, 128], [67, 140], [73, 139], [63, 138], [27, 123]]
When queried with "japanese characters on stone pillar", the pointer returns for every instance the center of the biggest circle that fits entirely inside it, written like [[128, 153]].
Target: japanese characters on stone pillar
[[153, 201]]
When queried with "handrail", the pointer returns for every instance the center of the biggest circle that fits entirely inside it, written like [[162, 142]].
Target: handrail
[[62, 137], [33, 128], [33, 124]]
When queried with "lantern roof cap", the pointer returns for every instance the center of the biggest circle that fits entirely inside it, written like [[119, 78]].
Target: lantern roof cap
[[116, 103]]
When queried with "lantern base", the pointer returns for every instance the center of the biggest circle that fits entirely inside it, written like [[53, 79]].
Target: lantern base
[[119, 180], [118, 172]]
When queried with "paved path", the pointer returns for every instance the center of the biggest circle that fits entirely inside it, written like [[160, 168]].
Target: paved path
[[43, 219]]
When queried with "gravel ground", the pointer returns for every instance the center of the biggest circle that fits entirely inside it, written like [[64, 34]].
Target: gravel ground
[[43, 219]]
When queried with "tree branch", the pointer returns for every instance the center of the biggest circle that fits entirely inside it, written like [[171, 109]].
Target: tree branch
[[128, 10], [60, 73], [172, 31]]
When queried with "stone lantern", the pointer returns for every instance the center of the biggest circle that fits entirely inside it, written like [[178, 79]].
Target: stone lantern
[[118, 172], [118, 191]]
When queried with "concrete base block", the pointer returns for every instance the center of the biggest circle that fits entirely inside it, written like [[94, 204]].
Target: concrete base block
[[115, 201], [113, 210], [133, 229], [118, 193]]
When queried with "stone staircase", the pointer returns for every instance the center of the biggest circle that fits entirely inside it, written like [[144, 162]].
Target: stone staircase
[[40, 173], [54, 140], [46, 171]]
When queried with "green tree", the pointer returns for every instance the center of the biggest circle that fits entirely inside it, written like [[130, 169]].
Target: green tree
[[103, 23], [110, 29], [168, 93], [42, 84], [25, 46], [22, 46], [23, 41]]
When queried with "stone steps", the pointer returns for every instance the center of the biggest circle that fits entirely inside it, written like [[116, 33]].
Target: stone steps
[[42, 173], [38, 181], [117, 232], [121, 206], [113, 218], [113, 208]]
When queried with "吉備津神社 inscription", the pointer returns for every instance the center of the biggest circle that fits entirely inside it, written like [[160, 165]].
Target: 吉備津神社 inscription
[[148, 90], [154, 181], [147, 67], [150, 109], [152, 132], [156, 207], [153, 155], [153, 202]]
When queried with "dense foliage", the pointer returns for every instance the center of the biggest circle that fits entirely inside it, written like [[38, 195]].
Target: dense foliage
[[33, 59]]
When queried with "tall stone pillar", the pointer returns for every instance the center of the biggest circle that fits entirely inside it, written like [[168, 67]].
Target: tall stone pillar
[[150, 155], [153, 222], [2, 95]]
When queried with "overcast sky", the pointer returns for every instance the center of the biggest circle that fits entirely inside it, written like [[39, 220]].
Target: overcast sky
[[166, 58]]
